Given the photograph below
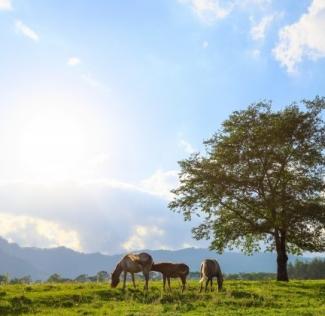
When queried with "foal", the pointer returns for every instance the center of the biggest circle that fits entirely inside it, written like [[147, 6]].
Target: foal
[[172, 270], [209, 269], [132, 263]]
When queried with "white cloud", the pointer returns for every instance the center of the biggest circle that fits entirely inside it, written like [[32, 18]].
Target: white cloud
[[209, 11], [259, 29], [99, 160], [186, 146], [36, 231], [144, 237], [73, 61], [259, 4], [188, 245], [205, 44], [303, 39], [5, 5], [255, 53], [160, 183], [91, 81], [26, 31], [92, 216]]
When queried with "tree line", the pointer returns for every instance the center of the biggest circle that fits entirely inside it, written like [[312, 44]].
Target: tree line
[[101, 276], [301, 270], [314, 269]]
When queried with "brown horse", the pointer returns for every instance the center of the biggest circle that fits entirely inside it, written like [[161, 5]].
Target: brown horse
[[172, 270], [209, 269], [132, 263]]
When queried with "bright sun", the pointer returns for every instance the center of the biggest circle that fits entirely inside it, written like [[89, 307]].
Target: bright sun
[[51, 145], [53, 142]]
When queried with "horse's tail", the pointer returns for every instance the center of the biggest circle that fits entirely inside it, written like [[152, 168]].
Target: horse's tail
[[184, 269], [203, 277]]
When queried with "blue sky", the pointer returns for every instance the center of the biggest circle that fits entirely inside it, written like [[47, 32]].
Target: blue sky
[[99, 100]]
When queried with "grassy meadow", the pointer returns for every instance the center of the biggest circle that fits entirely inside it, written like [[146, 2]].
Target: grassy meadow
[[237, 298]]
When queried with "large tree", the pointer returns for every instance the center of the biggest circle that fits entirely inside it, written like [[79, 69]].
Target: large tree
[[260, 182]]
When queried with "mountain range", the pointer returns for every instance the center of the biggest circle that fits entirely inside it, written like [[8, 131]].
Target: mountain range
[[41, 263]]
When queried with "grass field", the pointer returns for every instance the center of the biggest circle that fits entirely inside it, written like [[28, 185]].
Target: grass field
[[237, 298]]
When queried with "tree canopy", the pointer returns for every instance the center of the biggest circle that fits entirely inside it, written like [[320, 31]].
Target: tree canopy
[[260, 181]]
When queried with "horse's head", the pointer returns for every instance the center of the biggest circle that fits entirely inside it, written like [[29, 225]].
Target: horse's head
[[115, 277]]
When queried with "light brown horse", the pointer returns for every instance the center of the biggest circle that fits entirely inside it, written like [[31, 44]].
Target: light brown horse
[[209, 269], [132, 263], [172, 270]]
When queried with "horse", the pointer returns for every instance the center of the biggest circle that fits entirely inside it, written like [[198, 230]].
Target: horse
[[210, 268], [132, 263], [172, 270]]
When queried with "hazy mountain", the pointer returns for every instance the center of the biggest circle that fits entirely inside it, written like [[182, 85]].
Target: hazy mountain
[[17, 267], [41, 263]]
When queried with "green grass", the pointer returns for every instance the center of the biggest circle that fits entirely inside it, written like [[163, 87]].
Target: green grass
[[237, 298]]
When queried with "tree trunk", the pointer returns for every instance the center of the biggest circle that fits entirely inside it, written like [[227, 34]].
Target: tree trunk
[[282, 258]]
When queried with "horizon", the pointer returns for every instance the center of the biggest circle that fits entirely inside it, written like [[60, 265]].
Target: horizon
[[100, 99], [305, 255]]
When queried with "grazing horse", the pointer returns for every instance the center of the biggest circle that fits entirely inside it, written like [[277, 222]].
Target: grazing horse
[[172, 270], [209, 269], [132, 263]]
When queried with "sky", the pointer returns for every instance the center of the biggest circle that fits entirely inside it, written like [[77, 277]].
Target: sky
[[99, 99]]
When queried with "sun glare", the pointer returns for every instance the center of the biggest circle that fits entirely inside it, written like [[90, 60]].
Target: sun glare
[[54, 143], [51, 145]]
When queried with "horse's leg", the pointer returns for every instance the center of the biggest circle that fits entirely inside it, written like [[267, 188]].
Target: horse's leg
[[201, 286], [133, 281], [183, 279], [211, 285], [219, 280], [168, 279], [164, 282], [146, 276], [124, 280], [206, 285]]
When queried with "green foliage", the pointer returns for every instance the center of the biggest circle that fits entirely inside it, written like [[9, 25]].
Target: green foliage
[[4, 278], [54, 278], [261, 179], [23, 280], [82, 278], [238, 298], [102, 276], [314, 269], [254, 276]]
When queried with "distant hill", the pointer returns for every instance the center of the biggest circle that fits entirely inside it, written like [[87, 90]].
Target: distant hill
[[41, 263]]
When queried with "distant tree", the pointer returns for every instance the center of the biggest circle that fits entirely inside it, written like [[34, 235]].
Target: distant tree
[[250, 276], [38, 281], [23, 280], [102, 276], [194, 275], [15, 281], [261, 180], [92, 278], [55, 278], [314, 269], [4, 278], [82, 278], [26, 279]]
